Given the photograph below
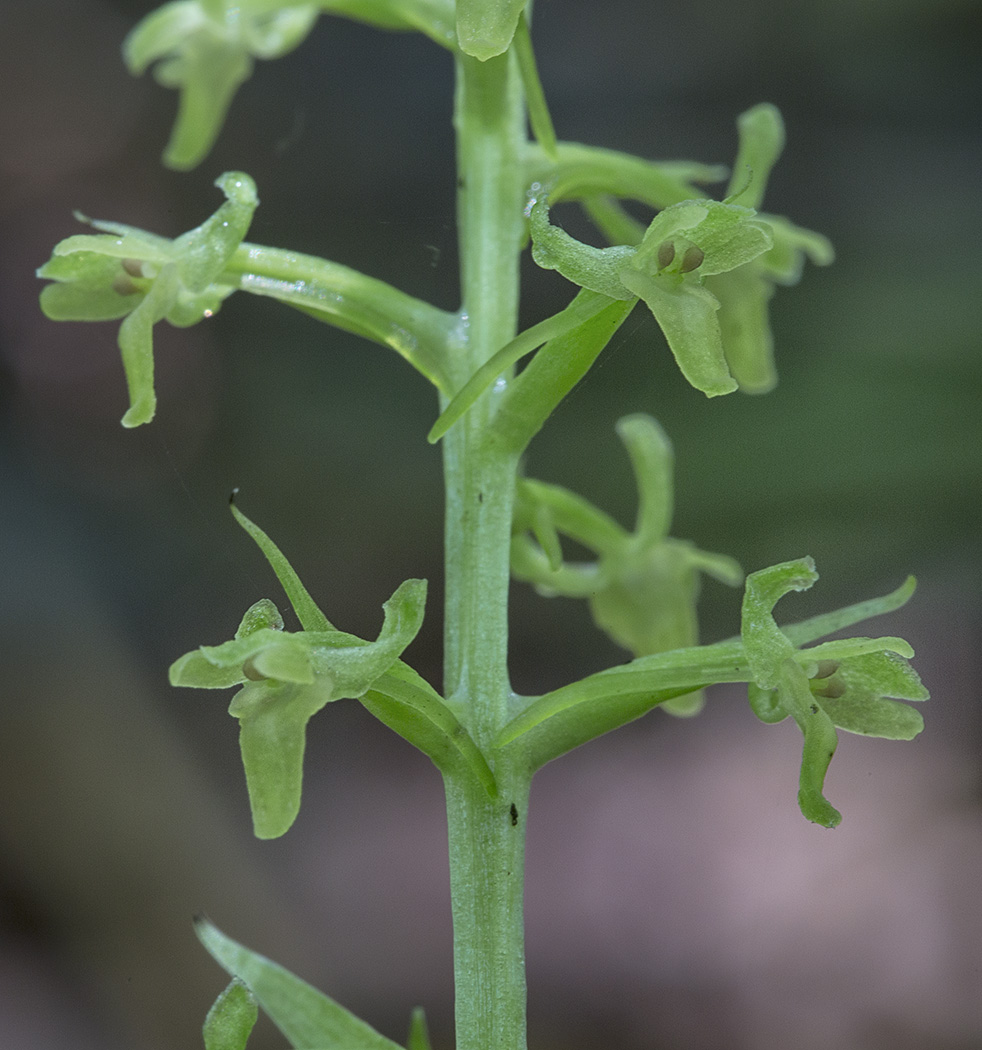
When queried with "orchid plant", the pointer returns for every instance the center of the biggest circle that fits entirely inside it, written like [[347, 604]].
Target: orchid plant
[[705, 268]]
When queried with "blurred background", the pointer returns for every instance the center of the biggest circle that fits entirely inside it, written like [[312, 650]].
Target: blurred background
[[676, 897]]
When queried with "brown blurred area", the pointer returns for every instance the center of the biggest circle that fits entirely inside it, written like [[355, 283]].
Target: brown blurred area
[[676, 898]]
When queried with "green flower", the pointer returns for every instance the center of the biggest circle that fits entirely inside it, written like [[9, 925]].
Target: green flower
[[706, 269], [843, 683], [129, 273], [644, 585], [286, 678], [206, 50]]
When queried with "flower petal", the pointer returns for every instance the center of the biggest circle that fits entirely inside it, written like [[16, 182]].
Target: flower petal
[[792, 245], [589, 267], [136, 344], [161, 32], [201, 254], [485, 27], [727, 234], [84, 288], [686, 313], [196, 671], [272, 34], [120, 242], [273, 720], [819, 744], [766, 645], [748, 345], [268, 653], [761, 142], [863, 708]]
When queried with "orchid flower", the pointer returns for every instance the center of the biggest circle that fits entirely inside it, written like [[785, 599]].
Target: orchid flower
[[129, 273], [206, 49], [846, 683], [706, 269], [644, 585], [287, 677]]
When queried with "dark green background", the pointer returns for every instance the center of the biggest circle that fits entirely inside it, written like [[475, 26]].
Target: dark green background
[[122, 806]]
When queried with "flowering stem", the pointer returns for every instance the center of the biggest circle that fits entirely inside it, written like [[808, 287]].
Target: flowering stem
[[486, 835]]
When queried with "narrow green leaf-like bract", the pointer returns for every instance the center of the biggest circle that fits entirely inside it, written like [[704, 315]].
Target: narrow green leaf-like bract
[[419, 1036], [307, 1017]]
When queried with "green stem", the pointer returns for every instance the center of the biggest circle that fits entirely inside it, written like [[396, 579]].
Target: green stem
[[486, 836]]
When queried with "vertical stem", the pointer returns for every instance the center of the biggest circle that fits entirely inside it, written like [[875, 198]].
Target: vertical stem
[[486, 835]]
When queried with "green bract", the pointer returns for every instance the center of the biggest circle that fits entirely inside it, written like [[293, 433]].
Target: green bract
[[705, 268], [840, 683], [129, 273], [644, 585], [206, 49], [307, 1017]]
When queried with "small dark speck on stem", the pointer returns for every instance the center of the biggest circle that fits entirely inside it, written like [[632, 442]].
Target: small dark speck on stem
[[514, 815]]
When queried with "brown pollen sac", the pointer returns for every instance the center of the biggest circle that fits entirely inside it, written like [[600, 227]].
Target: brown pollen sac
[[693, 257], [666, 253], [832, 689], [122, 284], [249, 670]]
